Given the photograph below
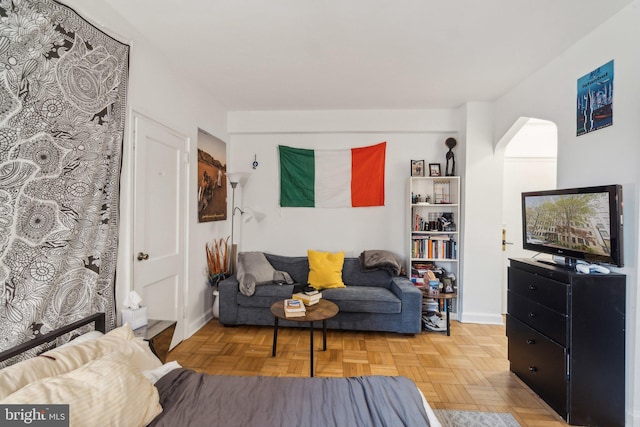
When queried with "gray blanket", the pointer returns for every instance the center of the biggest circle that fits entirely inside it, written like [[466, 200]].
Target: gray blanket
[[194, 399], [381, 259]]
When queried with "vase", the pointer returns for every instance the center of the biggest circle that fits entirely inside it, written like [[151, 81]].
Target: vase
[[215, 309]]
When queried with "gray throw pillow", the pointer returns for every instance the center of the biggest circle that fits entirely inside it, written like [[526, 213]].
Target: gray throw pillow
[[254, 269]]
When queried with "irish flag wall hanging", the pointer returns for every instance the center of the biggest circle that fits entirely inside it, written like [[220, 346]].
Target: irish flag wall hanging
[[332, 178]]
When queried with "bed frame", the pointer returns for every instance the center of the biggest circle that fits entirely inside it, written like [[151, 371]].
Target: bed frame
[[98, 319]]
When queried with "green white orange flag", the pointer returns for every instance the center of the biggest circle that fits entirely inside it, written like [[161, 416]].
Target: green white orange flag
[[332, 178]]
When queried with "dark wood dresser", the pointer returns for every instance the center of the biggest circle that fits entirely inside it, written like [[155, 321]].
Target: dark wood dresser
[[566, 333]]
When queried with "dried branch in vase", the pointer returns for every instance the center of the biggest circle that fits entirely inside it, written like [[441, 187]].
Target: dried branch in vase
[[217, 259]]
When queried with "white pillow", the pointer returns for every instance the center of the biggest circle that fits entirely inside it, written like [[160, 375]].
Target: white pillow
[[65, 359], [89, 336], [109, 391], [154, 375], [121, 339]]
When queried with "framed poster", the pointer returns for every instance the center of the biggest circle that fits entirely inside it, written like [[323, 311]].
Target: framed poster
[[212, 182], [595, 100]]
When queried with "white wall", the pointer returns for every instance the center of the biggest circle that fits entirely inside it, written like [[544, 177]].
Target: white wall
[[482, 215], [168, 96], [606, 156], [536, 139], [418, 135]]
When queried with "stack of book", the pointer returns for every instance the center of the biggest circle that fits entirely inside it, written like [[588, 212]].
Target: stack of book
[[439, 246], [308, 297], [294, 308]]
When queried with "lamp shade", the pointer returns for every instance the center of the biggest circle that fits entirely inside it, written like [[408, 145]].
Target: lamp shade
[[250, 214], [238, 178]]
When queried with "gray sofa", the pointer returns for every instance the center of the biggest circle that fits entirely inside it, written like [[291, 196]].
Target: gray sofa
[[372, 300]]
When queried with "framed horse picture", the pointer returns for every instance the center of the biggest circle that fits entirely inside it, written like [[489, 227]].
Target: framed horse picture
[[212, 183]]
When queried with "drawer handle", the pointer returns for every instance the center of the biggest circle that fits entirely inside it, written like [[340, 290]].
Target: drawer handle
[[531, 341], [533, 369], [532, 314], [532, 287]]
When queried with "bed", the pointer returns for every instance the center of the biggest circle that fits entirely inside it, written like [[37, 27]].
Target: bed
[[115, 379]]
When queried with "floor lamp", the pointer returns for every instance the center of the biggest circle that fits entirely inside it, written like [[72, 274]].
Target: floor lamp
[[234, 179]]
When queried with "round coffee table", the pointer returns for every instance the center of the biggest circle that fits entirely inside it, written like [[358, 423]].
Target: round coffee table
[[323, 310]]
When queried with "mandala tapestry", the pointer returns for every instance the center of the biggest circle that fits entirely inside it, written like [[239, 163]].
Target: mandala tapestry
[[62, 110]]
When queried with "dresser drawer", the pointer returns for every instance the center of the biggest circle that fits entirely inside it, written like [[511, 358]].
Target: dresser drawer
[[539, 362], [540, 289], [539, 317]]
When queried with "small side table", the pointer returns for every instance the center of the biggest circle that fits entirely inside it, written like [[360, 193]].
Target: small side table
[[323, 310], [446, 299], [159, 334]]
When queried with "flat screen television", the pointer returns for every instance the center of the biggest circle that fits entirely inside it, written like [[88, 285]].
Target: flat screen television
[[575, 223]]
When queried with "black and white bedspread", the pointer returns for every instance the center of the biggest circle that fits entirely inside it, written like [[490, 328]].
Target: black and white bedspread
[[190, 398]]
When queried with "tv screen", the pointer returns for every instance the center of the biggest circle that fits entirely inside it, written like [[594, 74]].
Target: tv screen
[[576, 223]]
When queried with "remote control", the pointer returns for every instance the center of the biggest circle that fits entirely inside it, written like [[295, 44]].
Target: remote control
[[591, 268], [594, 268], [582, 268]]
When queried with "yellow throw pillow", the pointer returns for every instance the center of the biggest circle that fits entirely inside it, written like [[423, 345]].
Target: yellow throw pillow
[[325, 269]]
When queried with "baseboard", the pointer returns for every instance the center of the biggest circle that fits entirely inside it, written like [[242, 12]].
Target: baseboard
[[195, 325], [632, 418], [482, 318]]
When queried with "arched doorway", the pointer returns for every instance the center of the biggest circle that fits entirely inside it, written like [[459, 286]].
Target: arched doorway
[[530, 163]]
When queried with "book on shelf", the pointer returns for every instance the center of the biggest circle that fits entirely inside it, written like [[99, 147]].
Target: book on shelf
[[307, 299], [434, 248], [294, 308]]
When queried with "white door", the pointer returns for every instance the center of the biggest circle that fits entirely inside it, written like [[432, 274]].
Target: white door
[[159, 220]]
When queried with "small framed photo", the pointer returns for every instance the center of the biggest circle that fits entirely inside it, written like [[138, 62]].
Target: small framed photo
[[417, 167], [434, 169]]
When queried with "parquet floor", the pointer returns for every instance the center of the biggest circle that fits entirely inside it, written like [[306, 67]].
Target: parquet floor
[[468, 370]]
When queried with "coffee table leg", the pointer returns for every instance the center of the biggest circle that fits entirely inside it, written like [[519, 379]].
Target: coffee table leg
[[447, 307], [311, 346], [275, 337], [324, 335]]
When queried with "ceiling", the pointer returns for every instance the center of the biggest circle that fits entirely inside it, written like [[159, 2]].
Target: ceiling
[[361, 54]]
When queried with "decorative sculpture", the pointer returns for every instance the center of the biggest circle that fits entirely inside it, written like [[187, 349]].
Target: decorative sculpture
[[450, 143]]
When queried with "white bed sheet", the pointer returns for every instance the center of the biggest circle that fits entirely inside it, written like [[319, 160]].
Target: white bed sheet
[[433, 420]]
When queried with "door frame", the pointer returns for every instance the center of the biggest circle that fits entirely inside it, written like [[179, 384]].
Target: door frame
[[506, 139], [184, 212]]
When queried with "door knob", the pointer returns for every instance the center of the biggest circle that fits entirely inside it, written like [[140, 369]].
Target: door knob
[[504, 240], [142, 256]]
